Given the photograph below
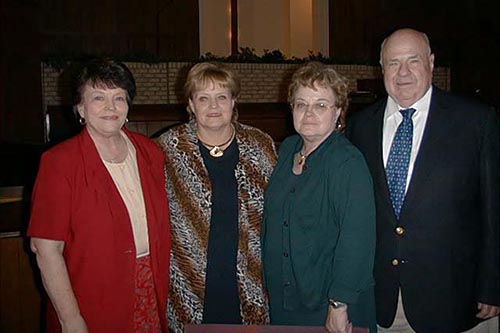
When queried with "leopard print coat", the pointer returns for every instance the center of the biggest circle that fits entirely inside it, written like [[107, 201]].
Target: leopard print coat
[[189, 192]]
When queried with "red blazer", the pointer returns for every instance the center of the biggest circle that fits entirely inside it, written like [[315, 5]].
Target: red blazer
[[76, 201]]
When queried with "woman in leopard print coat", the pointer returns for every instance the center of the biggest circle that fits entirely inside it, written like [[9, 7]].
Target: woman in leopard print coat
[[216, 215]]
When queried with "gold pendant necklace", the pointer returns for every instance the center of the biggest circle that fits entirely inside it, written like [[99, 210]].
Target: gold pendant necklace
[[302, 158], [217, 150]]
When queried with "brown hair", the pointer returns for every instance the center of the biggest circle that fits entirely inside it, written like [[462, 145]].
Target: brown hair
[[317, 74], [103, 72]]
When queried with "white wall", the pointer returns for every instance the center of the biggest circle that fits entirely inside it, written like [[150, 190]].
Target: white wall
[[320, 27], [292, 26], [264, 24], [301, 31], [215, 27]]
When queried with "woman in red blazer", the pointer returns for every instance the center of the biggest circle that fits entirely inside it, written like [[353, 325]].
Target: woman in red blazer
[[100, 219]]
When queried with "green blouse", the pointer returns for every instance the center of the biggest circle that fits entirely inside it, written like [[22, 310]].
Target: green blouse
[[319, 234]]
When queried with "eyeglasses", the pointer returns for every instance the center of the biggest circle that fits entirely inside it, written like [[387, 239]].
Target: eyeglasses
[[317, 108]]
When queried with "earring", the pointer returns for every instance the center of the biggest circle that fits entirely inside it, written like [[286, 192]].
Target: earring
[[126, 120], [82, 121]]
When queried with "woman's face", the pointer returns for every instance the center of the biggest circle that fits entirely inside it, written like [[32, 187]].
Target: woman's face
[[104, 109], [314, 113], [212, 106]]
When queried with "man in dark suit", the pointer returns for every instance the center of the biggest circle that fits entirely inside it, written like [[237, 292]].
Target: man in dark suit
[[435, 161]]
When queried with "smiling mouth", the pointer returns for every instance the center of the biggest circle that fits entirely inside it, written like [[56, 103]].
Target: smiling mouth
[[110, 118]]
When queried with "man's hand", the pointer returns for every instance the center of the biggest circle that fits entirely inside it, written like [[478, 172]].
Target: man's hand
[[487, 311]]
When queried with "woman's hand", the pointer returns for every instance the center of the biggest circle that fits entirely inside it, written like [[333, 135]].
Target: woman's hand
[[337, 320], [76, 325]]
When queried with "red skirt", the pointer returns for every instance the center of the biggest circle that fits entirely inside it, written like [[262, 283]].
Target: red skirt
[[146, 316]]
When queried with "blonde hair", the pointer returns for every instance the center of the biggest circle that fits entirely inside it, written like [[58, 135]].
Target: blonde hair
[[203, 74]]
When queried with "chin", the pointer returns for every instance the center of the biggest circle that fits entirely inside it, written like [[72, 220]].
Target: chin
[[112, 129], [215, 125], [307, 133]]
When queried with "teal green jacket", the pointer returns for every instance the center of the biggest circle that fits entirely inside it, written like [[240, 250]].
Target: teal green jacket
[[319, 227]]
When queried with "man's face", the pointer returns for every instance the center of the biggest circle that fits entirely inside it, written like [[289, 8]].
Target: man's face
[[407, 66]]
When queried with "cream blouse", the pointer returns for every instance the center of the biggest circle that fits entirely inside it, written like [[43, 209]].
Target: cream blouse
[[126, 178]]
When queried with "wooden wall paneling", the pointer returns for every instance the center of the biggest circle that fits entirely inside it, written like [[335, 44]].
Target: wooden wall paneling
[[3, 63], [349, 37], [358, 28], [21, 113], [179, 29], [136, 23], [167, 28], [464, 35]]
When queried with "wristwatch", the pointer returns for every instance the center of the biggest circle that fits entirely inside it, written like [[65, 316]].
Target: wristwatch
[[336, 304]]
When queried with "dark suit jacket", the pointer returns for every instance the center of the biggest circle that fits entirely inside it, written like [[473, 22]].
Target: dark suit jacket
[[449, 252]]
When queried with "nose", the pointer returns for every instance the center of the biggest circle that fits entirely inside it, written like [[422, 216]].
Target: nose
[[403, 69], [310, 110], [213, 103], [110, 105]]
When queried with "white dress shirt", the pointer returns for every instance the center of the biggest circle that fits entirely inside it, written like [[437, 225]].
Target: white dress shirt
[[392, 119]]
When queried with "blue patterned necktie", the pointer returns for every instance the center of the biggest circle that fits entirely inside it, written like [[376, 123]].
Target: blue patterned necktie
[[399, 160]]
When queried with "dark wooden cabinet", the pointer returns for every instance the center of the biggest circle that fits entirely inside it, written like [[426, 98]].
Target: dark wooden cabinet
[[20, 297], [20, 287]]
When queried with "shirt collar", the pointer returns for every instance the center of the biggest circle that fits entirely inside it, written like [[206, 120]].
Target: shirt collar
[[421, 106]]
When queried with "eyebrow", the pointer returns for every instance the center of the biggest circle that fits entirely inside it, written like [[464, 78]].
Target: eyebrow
[[101, 90], [416, 55], [321, 99]]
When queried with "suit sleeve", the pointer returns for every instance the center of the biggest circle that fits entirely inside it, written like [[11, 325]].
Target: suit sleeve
[[355, 250], [489, 265]]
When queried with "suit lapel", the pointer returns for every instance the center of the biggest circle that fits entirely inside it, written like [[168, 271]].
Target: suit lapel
[[374, 157], [436, 130]]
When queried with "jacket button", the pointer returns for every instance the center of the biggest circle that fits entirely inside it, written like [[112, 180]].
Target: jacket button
[[400, 231], [395, 262], [285, 254]]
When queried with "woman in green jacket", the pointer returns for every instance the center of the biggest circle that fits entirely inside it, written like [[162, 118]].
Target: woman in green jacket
[[319, 228]]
